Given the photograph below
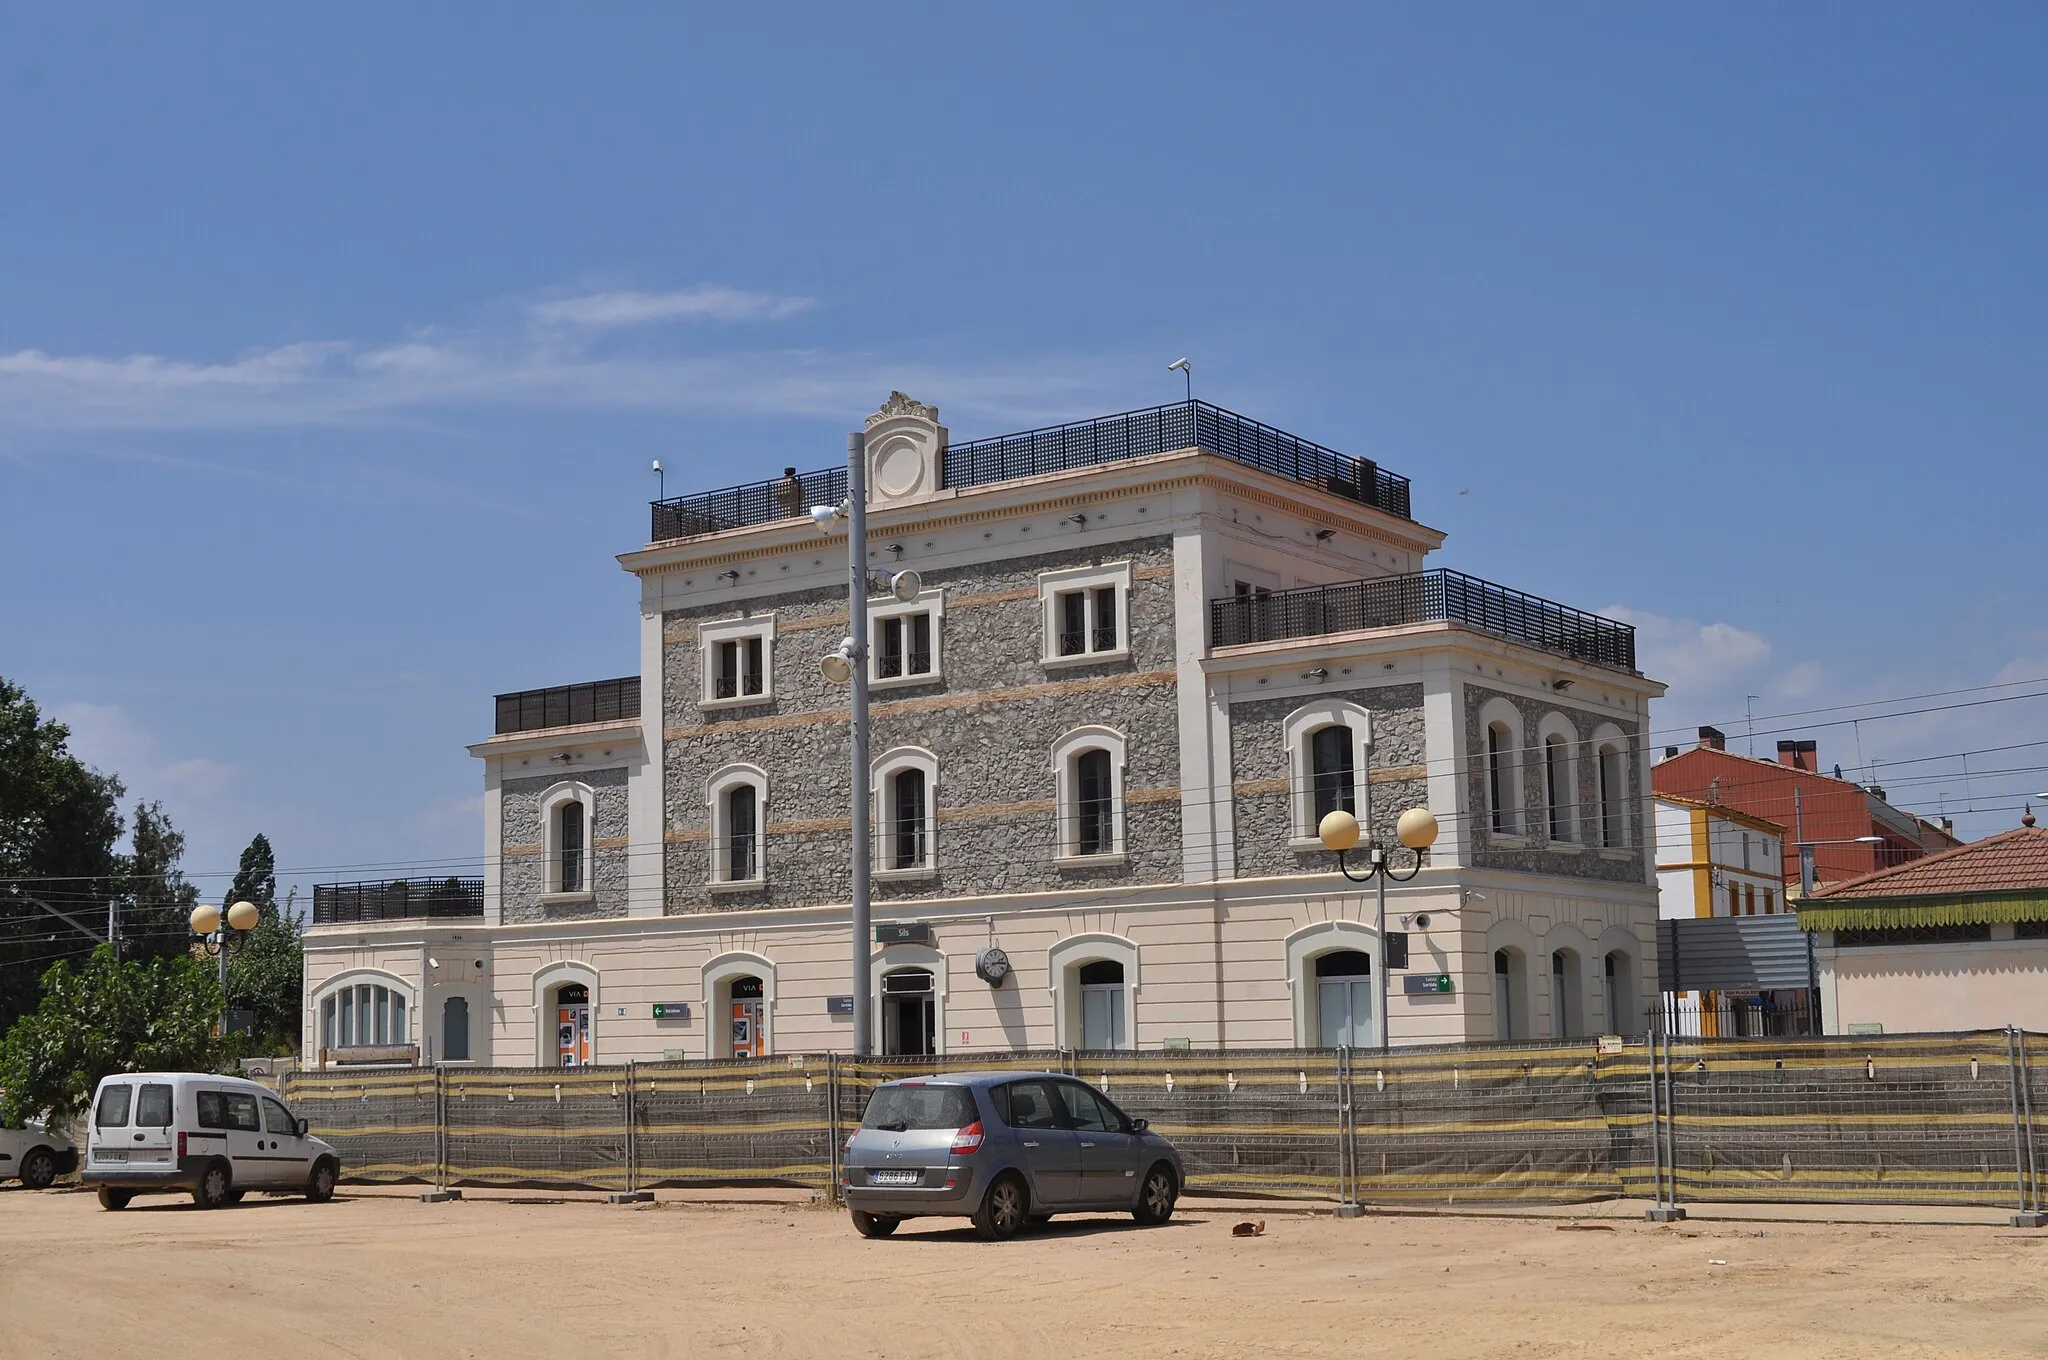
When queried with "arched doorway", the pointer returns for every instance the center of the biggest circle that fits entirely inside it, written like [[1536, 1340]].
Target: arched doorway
[[1621, 993], [1102, 1004], [746, 1018], [1344, 999], [1566, 988], [909, 1016], [572, 1025], [1510, 995]]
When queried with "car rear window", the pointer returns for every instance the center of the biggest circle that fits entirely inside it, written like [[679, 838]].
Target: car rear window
[[113, 1110], [153, 1107], [923, 1106]]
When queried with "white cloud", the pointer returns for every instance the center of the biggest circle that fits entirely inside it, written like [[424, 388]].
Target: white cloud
[[345, 383], [709, 302], [108, 738], [1692, 656]]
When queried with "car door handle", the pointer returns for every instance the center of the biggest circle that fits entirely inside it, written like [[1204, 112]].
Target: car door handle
[[1087, 1145], [1031, 1145], [140, 1136]]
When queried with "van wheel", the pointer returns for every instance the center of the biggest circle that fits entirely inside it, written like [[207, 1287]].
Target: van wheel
[[873, 1225], [214, 1187], [112, 1197], [38, 1169], [1003, 1210], [320, 1185], [1155, 1200]]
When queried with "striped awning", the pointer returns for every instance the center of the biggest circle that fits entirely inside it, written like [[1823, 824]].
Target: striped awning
[[1903, 913]]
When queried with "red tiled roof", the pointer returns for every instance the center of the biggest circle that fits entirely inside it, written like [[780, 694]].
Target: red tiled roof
[[2013, 861]]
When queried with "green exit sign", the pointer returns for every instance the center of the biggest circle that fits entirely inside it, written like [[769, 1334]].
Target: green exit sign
[[671, 1010], [1426, 984]]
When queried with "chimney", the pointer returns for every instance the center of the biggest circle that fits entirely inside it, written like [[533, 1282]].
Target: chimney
[[1670, 752], [1948, 826], [1875, 791], [1713, 739], [1798, 755]]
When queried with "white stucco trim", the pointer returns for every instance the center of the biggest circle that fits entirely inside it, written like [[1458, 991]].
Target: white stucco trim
[[1555, 726], [932, 602], [1308, 944], [717, 785], [1608, 737], [716, 974], [552, 799], [1515, 823], [547, 978], [1064, 960], [709, 635], [1298, 729], [1053, 584], [1067, 789], [1526, 953], [884, 769]]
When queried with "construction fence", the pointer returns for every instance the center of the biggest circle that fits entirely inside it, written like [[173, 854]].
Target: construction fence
[[1893, 1119]]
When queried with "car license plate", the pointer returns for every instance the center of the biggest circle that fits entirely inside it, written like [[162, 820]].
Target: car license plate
[[110, 1154], [895, 1177]]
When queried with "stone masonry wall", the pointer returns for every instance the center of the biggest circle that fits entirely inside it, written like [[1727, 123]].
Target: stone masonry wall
[[521, 867], [1262, 775], [990, 719], [1577, 860]]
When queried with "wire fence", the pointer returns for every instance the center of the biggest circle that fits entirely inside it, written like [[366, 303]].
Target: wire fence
[[1893, 1119]]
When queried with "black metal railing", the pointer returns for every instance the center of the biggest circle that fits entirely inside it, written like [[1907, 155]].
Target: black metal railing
[[1060, 448], [1768, 1015], [532, 710], [1164, 429], [397, 899], [1424, 597], [789, 496]]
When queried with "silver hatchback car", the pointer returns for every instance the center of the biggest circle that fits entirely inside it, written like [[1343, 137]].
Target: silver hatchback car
[[1005, 1149]]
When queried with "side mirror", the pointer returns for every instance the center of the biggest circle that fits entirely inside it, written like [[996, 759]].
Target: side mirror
[[1140, 1125], [302, 1128]]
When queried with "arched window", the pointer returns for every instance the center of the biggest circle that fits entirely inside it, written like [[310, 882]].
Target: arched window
[[569, 845], [1344, 997], [455, 1029], [1331, 767], [1500, 777], [363, 1014], [1557, 779], [1095, 829], [737, 796], [1510, 995], [905, 800], [907, 828], [1611, 774], [742, 842], [1565, 991]]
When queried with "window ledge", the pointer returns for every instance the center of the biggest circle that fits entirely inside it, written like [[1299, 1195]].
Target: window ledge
[[1564, 847], [1307, 843], [549, 899], [736, 885], [904, 875], [1055, 663], [737, 701], [1114, 860], [1501, 840], [1615, 852], [905, 681]]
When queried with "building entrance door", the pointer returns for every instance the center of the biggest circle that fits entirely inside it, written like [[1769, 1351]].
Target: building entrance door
[[744, 1017], [572, 1025], [908, 1016], [1344, 999]]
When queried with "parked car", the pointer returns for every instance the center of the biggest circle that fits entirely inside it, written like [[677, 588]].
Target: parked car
[[1006, 1149], [217, 1137], [36, 1155]]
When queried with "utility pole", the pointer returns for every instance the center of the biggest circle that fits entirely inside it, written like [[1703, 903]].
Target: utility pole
[[857, 629]]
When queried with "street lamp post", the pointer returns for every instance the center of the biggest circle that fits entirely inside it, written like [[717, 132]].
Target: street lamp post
[[1416, 829], [215, 929]]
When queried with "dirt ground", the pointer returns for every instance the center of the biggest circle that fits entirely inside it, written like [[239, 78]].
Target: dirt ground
[[380, 1274]]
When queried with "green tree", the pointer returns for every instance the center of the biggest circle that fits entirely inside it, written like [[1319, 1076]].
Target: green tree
[[59, 821], [156, 900], [266, 967], [110, 1015]]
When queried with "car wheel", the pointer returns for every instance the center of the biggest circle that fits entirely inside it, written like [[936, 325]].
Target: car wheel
[[320, 1185], [38, 1169], [1155, 1199], [214, 1187], [111, 1197], [873, 1225], [1004, 1210]]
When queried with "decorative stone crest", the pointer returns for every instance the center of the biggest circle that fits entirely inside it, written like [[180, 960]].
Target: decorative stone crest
[[905, 444]]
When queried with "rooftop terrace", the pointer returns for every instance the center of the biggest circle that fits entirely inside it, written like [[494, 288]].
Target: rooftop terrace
[[1060, 448]]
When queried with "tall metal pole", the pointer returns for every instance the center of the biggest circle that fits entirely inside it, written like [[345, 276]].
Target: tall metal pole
[[1380, 879], [857, 620]]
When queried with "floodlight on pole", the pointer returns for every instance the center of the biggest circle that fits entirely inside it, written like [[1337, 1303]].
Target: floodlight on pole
[[1187, 373]]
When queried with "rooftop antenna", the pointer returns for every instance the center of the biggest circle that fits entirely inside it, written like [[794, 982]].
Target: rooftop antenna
[[660, 482], [1187, 373], [1750, 716]]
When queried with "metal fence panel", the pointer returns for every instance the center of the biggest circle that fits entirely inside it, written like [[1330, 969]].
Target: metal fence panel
[[551, 1128], [383, 1124], [752, 1120]]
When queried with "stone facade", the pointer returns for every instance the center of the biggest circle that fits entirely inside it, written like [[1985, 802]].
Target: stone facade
[[1530, 854], [990, 720], [522, 869], [1262, 788]]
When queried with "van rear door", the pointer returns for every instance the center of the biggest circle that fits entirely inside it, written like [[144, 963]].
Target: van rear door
[[152, 1142]]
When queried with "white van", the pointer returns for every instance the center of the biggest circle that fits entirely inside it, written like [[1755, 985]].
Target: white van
[[218, 1137]]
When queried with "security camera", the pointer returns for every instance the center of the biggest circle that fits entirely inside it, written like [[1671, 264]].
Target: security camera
[[433, 962], [1422, 921], [479, 963]]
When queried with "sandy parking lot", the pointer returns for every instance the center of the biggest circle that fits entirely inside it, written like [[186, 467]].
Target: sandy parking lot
[[374, 1275]]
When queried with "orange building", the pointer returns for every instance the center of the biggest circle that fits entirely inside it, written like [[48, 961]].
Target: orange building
[[1853, 830]]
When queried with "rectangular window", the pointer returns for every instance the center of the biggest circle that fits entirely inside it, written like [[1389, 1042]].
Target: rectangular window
[[210, 1111], [1748, 900], [113, 1110], [1104, 633], [278, 1120], [919, 1108], [739, 669], [1084, 611], [1770, 898], [153, 1106], [1734, 900], [240, 1110], [904, 647]]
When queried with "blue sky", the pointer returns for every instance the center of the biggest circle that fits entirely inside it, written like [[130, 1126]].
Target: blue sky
[[334, 346]]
